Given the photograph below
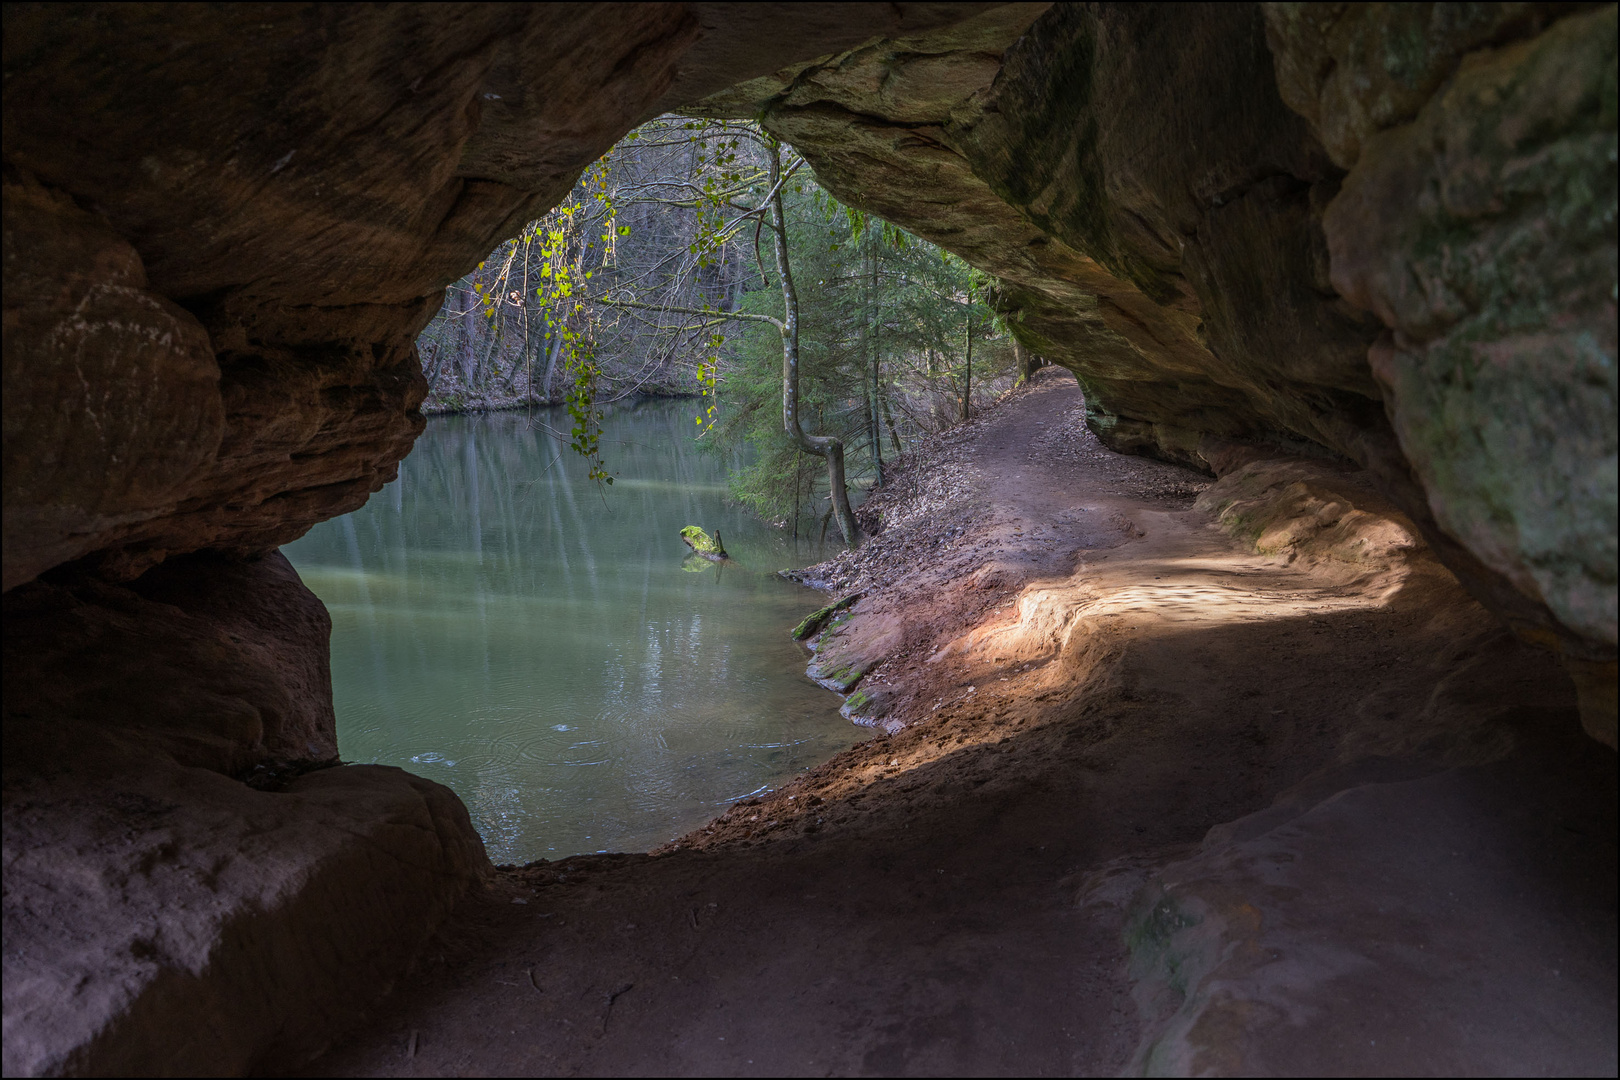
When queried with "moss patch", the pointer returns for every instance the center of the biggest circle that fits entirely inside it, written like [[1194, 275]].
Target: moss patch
[[814, 621], [700, 542]]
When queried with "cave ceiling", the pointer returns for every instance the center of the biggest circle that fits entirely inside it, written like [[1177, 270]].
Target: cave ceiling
[[1377, 234]]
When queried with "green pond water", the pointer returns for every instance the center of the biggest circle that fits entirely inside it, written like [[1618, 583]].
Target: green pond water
[[548, 649]]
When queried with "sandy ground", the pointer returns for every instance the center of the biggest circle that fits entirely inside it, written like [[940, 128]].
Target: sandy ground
[[1246, 786]]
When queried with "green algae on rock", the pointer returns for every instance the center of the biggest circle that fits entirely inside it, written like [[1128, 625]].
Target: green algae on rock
[[1497, 283], [813, 622]]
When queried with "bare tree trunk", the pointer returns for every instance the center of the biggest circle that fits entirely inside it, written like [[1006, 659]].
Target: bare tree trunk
[[874, 425], [888, 416], [435, 365], [967, 378], [798, 481], [823, 446], [481, 368], [874, 432], [509, 381], [551, 363], [734, 283], [467, 361], [1028, 361]]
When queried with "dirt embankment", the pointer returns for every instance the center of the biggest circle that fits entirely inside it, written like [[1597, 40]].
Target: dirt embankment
[[1168, 776]]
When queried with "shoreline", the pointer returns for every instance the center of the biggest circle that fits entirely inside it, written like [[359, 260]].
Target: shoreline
[[515, 404], [1142, 737]]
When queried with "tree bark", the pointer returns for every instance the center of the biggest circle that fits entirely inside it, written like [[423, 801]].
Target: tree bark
[[467, 358], [551, 364], [434, 366], [823, 446], [967, 378], [874, 431], [1028, 362], [888, 417]]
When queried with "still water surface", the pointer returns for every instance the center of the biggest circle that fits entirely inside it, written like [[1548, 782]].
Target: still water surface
[[547, 649]]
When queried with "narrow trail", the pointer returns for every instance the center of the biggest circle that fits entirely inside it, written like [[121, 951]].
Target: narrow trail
[[1076, 676]]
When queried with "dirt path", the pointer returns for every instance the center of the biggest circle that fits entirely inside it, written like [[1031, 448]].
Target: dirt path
[[1077, 676]]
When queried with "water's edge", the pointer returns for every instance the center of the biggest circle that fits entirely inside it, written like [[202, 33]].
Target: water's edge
[[545, 646]]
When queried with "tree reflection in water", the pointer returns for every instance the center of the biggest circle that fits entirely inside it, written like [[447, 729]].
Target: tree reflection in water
[[505, 627]]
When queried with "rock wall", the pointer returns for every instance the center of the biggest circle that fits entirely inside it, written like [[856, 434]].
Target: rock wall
[[1380, 233], [224, 228], [192, 886], [1483, 235], [1377, 233]]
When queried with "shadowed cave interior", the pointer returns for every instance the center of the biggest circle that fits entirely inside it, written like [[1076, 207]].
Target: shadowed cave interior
[[1353, 265]]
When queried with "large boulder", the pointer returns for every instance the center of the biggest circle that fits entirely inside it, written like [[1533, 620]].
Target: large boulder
[[165, 920], [1376, 911], [194, 885]]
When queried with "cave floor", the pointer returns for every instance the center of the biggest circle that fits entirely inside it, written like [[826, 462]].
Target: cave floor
[[1098, 698]]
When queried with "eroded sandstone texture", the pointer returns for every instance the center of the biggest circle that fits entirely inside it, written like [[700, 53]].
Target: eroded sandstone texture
[[1375, 233], [1383, 232], [223, 229], [188, 890]]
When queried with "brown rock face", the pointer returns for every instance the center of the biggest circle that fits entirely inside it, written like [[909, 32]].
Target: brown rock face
[[1483, 235], [292, 187], [223, 229], [1151, 204], [1383, 233], [161, 920], [221, 663], [161, 916], [1354, 70], [1151, 184], [110, 449]]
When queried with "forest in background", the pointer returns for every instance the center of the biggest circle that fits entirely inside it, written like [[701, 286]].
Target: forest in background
[[653, 277]]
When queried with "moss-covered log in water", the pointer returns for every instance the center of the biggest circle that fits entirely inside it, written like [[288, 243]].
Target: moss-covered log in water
[[699, 542]]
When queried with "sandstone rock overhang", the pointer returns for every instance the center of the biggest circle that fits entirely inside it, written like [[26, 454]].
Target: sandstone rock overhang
[[1384, 233], [224, 228]]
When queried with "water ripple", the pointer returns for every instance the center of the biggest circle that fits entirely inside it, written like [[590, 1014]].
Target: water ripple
[[533, 643]]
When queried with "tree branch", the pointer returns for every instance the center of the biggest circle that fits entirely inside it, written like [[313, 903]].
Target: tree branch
[[743, 315]]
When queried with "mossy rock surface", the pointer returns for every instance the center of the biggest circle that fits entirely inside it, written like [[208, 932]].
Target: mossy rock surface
[[868, 705], [840, 676], [814, 621]]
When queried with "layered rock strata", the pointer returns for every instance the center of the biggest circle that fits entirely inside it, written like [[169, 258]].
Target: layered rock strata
[[1380, 234], [194, 885], [223, 230], [1383, 234]]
